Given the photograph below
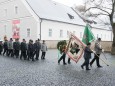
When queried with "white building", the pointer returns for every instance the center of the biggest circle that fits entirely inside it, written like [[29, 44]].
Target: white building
[[44, 19]]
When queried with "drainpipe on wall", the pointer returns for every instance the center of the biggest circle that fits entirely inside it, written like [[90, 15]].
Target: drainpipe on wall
[[112, 35], [40, 27]]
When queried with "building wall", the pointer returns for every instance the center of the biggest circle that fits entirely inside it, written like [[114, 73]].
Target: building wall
[[105, 35], [8, 11], [106, 45], [28, 19], [56, 27], [8, 14], [76, 29]]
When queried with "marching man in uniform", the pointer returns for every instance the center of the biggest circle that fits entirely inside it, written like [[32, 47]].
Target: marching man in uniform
[[98, 50]]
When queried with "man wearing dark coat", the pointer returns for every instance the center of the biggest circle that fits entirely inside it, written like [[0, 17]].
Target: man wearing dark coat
[[1, 47], [5, 46], [31, 50], [23, 49], [16, 46], [87, 56], [37, 47]]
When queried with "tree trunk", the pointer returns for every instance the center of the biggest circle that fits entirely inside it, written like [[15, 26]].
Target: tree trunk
[[113, 44]]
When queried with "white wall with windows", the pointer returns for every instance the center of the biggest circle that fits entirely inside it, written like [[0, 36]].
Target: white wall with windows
[[15, 10], [11, 9], [60, 31], [105, 35], [28, 29]]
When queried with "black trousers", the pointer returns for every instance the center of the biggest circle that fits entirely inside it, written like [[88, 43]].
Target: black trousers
[[69, 60], [86, 63], [62, 57], [97, 60], [43, 55], [0, 52], [16, 53], [31, 55], [37, 54], [10, 52], [5, 51], [23, 54]]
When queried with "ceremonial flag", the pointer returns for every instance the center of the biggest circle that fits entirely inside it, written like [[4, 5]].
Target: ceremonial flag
[[75, 48], [88, 36]]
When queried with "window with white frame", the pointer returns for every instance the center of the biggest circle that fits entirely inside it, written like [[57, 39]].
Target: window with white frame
[[74, 32], [80, 34], [5, 28], [28, 32], [50, 32], [105, 36], [5, 11], [101, 36], [61, 33], [67, 33], [97, 36], [108, 36], [16, 10]]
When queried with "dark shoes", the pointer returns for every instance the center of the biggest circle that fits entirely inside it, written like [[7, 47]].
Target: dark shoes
[[82, 66], [37, 59], [88, 69], [90, 64], [99, 66], [69, 62], [58, 62], [64, 63], [33, 60]]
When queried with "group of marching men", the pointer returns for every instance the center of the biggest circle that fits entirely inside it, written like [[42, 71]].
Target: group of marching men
[[28, 50], [87, 54]]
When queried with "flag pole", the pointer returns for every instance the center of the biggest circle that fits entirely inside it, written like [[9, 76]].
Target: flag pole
[[100, 58], [104, 55], [68, 43]]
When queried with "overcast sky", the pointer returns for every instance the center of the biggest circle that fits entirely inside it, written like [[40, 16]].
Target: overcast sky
[[70, 2]]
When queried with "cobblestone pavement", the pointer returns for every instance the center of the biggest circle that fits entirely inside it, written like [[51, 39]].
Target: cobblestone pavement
[[15, 72]]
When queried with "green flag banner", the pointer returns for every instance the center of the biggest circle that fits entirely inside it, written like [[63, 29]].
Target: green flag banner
[[88, 36]]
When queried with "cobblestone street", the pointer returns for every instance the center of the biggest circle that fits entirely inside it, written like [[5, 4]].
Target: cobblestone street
[[15, 72]]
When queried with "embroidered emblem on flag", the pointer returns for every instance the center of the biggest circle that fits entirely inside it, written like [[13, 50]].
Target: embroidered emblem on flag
[[75, 48]]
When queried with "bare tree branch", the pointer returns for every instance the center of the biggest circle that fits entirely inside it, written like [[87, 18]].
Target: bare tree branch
[[112, 13], [99, 9], [107, 8], [103, 14]]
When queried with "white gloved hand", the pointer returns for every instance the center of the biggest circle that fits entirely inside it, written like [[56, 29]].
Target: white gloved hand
[[94, 51], [102, 50]]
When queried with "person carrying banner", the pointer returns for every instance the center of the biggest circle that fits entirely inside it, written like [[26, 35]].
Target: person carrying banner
[[87, 56], [63, 51], [74, 49], [98, 50]]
